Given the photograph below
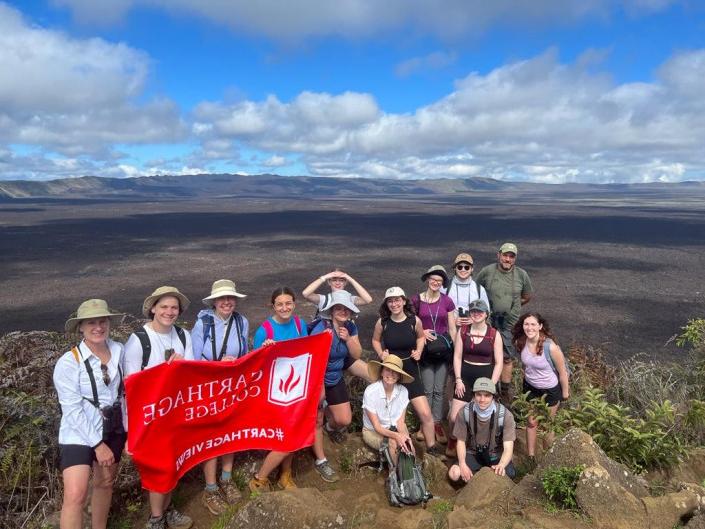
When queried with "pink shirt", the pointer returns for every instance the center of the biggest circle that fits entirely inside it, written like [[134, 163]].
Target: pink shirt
[[537, 370]]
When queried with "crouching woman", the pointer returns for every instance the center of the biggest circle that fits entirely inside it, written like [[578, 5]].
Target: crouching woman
[[384, 404], [486, 432], [88, 381]]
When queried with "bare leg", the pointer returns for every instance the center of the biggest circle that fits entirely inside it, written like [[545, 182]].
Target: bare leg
[[103, 480], [531, 426], [75, 493], [209, 470], [158, 503], [423, 410], [359, 369]]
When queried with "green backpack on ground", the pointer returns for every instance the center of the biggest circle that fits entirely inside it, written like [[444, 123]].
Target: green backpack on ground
[[405, 484]]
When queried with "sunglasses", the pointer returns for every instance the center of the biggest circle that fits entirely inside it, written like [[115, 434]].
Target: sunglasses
[[463, 267], [106, 375]]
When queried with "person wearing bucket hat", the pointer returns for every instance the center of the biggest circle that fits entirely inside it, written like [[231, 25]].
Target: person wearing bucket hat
[[508, 288], [437, 314], [398, 331], [384, 406], [486, 432], [478, 354], [160, 340], [89, 383], [282, 325], [337, 280], [334, 409], [220, 333]]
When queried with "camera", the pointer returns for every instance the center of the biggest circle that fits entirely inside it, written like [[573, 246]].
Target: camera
[[463, 313], [112, 420]]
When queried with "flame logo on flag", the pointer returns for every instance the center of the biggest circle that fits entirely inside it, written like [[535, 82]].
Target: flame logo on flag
[[289, 379], [286, 386]]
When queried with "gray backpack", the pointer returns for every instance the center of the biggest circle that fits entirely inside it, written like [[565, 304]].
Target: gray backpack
[[405, 484]]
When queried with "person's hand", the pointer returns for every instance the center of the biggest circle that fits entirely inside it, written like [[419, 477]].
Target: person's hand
[[229, 359], [268, 341], [566, 396], [499, 469], [416, 355], [404, 442], [343, 333], [465, 472], [429, 334], [175, 356], [459, 322], [104, 455], [459, 388]]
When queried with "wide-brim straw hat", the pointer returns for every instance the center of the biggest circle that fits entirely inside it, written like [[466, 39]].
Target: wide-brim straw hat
[[393, 362], [160, 293], [339, 297], [90, 309], [436, 270], [220, 288]]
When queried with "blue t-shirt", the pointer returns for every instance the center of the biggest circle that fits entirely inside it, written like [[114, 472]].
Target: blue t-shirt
[[338, 351], [282, 331]]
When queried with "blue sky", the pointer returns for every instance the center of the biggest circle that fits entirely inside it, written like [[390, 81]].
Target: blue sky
[[548, 90]]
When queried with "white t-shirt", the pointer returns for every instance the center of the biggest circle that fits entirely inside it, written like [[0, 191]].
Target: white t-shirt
[[387, 411], [160, 343]]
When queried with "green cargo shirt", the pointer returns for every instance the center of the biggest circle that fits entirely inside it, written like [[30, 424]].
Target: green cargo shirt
[[505, 289]]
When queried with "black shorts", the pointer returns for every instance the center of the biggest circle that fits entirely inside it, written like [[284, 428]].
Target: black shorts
[[72, 455], [477, 461], [337, 394], [414, 388], [470, 373], [553, 395]]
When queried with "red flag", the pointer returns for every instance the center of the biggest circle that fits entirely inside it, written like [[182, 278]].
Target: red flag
[[186, 412]]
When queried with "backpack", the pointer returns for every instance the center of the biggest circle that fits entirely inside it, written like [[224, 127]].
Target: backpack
[[547, 353], [497, 416], [209, 332], [147, 344], [405, 484], [269, 330]]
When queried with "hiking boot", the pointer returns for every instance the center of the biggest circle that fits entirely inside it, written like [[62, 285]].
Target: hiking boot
[[440, 433], [230, 492], [214, 502], [156, 523], [436, 451], [326, 471], [259, 484], [336, 436], [176, 520], [286, 481], [450, 449]]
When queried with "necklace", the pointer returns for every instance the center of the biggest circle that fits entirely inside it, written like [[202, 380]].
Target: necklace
[[168, 351]]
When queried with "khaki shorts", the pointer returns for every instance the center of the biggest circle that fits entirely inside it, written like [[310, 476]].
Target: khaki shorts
[[372, 438]]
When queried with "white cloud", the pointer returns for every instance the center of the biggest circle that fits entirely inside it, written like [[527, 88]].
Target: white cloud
[[275, 161], [75, 96], [356, 18], [433, 61]]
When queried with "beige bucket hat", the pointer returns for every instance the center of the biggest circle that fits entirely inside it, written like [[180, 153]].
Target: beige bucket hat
[[220, 288], [89, 309], [160, 293], [393, 362]]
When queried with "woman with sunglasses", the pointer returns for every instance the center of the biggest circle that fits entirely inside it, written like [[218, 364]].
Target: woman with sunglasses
[[463, 289], [88, 381]]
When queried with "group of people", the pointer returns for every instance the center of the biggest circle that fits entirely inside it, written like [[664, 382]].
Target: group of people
[[448, 351]]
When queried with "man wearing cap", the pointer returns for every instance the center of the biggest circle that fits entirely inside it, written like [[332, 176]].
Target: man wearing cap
[[508, 288], [159, 341], [486, 432]]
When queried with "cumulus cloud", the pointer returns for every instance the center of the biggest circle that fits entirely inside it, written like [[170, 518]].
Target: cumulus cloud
[[535, 119], [75, 96], [356, 18]]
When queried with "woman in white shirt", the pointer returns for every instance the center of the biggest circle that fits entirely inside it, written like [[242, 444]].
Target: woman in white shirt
[[89, 384]]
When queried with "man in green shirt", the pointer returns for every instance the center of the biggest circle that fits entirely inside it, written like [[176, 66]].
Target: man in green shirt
[[508, 288]]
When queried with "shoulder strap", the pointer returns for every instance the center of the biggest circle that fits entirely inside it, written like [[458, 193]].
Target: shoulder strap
[[146, 346], [416, 303], [75, 354], [207, 321], [268, 329], [297, 322], [499, 435], [479, 292], [91, 378], [238, 330], [547, 353], [225, 338], [182, 335]]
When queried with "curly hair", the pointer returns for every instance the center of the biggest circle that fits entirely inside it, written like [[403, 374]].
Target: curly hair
[[519, 338], [385, 313]]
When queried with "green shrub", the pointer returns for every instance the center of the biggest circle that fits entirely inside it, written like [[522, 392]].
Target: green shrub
[[693, 333], [559, 485]]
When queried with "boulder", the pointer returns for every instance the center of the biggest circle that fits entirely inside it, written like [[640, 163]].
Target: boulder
[[696, 522], [462, 518], [664, 512], [485, 489], [607, 503], [528, 492], [690, 470], [406, 518], [577, 448], [288, 508], [536, 517]]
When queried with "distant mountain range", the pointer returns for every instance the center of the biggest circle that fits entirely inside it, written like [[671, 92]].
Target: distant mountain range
[[275, 186]]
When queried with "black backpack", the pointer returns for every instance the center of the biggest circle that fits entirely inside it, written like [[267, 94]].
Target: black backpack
[[147, 344]]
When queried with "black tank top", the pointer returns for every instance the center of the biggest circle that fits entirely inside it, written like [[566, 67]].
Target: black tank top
[[399, 337]]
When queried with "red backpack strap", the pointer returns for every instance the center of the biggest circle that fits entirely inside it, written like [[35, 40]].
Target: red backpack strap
[[268, 330], [297, 322]]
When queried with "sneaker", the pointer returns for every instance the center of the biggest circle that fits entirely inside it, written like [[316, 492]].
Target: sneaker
[[214, 502], [286, 481], [230, 491], [326, 471], [450, 449], [336, 436], [259, 484], [176, 520], [440, 433], [156, 523]]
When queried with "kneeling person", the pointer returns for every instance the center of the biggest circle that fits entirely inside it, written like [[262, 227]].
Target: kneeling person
[[486, 432]]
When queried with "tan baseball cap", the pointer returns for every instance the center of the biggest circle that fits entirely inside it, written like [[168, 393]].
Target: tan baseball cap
[[464, 258], [509, 247]]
